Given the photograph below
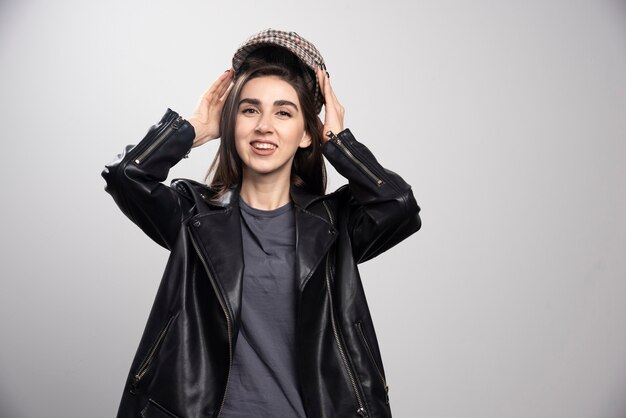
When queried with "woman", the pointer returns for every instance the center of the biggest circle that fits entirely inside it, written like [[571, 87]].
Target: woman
[[261, 311]]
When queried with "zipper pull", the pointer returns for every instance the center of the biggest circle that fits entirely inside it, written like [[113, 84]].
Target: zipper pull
[[176, 124], [333, 137], [133, 385], [361, 412]]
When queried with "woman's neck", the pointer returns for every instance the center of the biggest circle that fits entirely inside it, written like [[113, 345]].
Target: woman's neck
[[265, 192]]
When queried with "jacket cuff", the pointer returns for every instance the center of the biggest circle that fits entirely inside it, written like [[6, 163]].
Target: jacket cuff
[[172, 137]]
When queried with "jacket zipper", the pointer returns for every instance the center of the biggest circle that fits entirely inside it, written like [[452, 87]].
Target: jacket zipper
[[228, 322], [147, 361], [351, 156], [160, 138], [361, 408], [370, 352]]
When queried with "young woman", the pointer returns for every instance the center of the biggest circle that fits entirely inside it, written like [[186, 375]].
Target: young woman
[[261, 311]]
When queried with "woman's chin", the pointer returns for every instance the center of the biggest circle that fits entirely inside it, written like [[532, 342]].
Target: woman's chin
[[266, 170]]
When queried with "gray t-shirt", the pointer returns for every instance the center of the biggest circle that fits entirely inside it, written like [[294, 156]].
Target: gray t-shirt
[[263, 381]]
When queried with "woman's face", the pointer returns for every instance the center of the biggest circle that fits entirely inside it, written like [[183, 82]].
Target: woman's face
[[269, 127]]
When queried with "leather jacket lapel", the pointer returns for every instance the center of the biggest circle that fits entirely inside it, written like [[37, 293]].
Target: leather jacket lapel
[[220, 234], [314, 236]]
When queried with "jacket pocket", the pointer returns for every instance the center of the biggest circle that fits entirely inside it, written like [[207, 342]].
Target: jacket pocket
[[154, 410], [370, 353], [144, 366]]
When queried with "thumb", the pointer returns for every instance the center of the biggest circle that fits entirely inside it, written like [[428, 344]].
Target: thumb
[[320, 127]]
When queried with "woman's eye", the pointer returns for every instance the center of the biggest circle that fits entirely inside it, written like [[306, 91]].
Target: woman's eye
[[248, 110], [284, 113]]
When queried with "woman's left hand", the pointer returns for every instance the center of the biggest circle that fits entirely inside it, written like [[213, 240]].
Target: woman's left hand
[[334, 111]]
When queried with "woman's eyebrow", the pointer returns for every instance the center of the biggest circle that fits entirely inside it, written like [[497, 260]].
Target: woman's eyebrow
[[257, 102], [285, 103]]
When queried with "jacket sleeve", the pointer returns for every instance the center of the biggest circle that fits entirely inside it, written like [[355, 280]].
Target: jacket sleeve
[[134, 179], [382, 208]]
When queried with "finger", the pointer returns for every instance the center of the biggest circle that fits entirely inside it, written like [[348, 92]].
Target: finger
[[226, 92], [326, 91], [223, 81], [331, 98], [220, 83], [320, 80], [330, 89], [321, 127], [225, 85], [332, 104]]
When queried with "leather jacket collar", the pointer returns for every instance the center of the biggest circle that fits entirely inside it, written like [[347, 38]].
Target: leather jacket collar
[[301, 197]]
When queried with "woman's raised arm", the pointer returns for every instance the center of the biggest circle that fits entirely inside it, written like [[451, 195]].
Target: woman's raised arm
[[134, 178], [381, 208]]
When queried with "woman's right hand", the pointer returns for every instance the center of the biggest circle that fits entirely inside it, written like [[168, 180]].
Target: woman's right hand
[[206, 118]]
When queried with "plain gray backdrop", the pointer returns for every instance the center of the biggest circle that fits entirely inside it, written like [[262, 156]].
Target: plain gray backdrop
[[507, 118]]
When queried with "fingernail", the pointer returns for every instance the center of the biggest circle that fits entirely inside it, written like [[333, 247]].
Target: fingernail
[[327, 75], [323, 66], [227, 70]]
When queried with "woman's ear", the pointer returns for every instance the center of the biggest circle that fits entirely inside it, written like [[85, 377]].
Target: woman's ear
[[306, 140]]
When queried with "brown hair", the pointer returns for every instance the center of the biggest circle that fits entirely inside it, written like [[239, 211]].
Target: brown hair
[[307, 170]]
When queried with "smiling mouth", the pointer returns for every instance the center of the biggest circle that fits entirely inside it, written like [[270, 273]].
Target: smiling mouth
[[264, 145]]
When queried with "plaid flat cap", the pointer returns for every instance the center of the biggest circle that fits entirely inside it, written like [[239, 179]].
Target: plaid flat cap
[[294, 43]]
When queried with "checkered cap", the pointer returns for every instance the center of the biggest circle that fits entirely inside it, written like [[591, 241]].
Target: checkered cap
[[300, 47]]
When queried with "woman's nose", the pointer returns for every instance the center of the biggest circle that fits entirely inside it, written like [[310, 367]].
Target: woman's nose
[[264, 123]]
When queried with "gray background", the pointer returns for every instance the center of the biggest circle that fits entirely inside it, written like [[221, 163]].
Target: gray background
[[508, 118]]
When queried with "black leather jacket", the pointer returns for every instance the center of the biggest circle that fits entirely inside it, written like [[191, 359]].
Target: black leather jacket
[[182, 365]]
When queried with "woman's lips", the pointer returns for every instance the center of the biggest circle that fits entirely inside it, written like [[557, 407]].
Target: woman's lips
[[263, 148]]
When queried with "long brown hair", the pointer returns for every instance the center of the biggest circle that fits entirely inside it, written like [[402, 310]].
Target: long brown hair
[[307, 171]]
